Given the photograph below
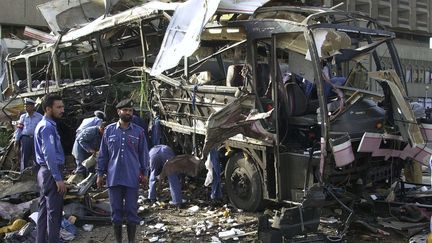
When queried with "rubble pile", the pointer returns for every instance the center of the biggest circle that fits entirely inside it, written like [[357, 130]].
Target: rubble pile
[[398, 214], [86, 216]]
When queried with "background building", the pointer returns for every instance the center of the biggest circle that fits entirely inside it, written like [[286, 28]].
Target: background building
[[14, 16], [410, 19], [412, 22]]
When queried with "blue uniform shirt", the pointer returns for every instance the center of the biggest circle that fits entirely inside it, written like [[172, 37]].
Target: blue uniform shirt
[[89, 139], [158, 155], [48, 148], [27, 124], [140, 122], [88, 122], [123, 155]]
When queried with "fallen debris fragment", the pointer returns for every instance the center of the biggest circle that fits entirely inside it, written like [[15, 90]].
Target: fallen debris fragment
[[16, 225], [88, 227], [371, 228], [193, 209], [154, 239], [231, 233]]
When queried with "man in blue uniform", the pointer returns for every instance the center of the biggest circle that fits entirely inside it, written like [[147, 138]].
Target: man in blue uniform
[[159, 154], [216, 189], [25, 131], [123, 157], [156, 133], [142, 123], [87, 143], [50, 157], [91, 121]]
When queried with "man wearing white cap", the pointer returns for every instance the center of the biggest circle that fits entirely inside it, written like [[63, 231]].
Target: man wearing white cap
[[91, 122], [24, 133], [96, 120]]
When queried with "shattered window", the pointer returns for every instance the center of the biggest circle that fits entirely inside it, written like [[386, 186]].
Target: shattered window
[[79, 62], [41, 75], [291, 51], [224, 68], [19, 68], [39, 72]]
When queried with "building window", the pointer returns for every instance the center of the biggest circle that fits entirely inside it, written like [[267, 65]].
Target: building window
[[428, 103], [421, 100], [408, 74], [421, 75], [427, 76]]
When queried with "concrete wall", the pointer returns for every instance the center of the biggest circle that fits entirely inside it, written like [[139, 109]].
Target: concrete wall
[[410, 16], [403, 16], [21, 12], [416, 58], [413, 50]]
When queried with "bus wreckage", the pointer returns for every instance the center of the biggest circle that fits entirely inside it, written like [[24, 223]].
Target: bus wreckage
[[283, 92]]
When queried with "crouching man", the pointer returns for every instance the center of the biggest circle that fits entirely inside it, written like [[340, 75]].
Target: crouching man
[[159, 154]]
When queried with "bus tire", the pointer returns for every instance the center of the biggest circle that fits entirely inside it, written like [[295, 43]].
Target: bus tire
[[243, 183]]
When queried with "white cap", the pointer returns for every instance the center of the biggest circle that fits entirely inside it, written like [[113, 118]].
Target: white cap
[[29, 101], [100, 114]]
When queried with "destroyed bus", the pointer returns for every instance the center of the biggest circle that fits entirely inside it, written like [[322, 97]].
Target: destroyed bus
[[283, 91], [92, 66], [285, 95]]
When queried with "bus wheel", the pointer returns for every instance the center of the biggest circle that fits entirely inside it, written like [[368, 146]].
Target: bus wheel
[[243, 183]]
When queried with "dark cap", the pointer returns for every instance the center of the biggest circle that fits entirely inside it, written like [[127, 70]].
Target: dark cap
[[127, 103]]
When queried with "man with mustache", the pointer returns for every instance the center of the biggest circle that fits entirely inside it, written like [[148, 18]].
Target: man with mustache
[[25, 131], [50, 157], [124, 160]]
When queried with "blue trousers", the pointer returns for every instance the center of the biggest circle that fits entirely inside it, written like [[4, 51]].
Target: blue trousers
[[124, 203], [80, 169], [174, 184], [50, 208], [216, 189], [156, 165], [27, 152]]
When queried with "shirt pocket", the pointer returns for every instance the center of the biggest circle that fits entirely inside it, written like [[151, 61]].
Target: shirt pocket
[[133, 142], [112, 142], [26, 123]]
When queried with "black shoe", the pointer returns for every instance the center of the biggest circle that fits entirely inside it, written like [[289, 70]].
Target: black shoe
[[216, 203], [149, 201], [131, 230], [178, 206], [118, 233]]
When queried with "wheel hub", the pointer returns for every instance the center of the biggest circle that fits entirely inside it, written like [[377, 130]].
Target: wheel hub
[[241, 183]]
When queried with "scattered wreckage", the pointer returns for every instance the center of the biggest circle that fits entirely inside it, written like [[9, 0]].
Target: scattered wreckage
[[282, 91]]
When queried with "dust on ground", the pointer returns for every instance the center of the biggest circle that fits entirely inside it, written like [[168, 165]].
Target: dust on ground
[[202, 221]]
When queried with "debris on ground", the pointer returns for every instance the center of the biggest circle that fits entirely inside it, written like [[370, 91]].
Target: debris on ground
[[358, 194]]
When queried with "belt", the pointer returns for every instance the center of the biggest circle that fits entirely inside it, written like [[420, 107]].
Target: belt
[[30, 136]]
